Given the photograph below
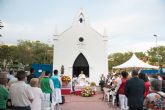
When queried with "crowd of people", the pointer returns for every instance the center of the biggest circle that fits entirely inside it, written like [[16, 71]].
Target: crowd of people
[[135, 91], [22, 92]]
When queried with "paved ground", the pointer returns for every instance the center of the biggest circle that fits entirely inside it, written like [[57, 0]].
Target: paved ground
[[74, 102]]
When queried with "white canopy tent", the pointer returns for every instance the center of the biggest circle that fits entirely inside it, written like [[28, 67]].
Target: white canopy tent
[[134, 62]]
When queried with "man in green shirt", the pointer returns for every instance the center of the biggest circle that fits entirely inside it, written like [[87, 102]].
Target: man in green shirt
[[46, 83]]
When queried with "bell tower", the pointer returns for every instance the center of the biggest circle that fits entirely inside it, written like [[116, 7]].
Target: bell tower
[[80, 18]]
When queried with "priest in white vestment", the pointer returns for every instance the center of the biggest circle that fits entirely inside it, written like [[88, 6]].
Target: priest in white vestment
[[82, 79]]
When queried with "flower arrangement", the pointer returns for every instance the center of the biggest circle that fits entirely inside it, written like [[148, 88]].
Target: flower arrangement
[[87, 91], [65, 79]]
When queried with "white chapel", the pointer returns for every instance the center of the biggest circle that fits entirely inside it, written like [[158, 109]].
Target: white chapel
[[81, 49]]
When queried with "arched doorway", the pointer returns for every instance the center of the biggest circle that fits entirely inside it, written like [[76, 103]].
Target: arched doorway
[[81, 64]]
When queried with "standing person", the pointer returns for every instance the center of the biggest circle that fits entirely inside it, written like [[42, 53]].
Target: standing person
[[161, 70], [47, 85], [11, 75], [106, 88], [146, 83], [102, 81], [62, 70], [134, 91], [57, 87], [74, 82], [38, 95], [163, 83], [21, 93], [153, 77], [117, 84], [122, 98], [29, 77], [108, 81], [3, 91]]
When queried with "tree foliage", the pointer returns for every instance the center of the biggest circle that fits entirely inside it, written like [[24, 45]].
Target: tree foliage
[[29, 52], [26, 53], [156, 55], [118, 58]]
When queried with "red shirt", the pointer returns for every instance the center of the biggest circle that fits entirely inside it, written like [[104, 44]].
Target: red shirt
[[122, 86], [147, 85]]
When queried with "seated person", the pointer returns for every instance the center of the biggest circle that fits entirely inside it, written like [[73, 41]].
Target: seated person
[[153, 100]]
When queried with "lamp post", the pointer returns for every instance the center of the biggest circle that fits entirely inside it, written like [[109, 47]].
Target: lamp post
[[157, 53]]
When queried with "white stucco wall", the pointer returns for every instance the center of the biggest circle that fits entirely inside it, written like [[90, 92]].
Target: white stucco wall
[[94, 48]]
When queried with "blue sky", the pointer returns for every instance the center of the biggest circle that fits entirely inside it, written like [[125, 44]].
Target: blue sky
[[130, 24]]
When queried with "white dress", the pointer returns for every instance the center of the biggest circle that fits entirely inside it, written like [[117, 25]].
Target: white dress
[[38, 96]]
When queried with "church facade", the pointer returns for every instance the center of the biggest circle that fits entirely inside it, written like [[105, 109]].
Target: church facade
[[81, 49]]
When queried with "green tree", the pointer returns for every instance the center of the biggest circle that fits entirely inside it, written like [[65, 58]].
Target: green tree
[[43, 53], [26, 53], [156, 54], [117, 59], [4, 56]]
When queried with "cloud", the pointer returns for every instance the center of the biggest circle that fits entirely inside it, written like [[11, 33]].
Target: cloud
[[124, 25], [22, 28], [26, 31], [42, 31], [136, 47], [131, 32]]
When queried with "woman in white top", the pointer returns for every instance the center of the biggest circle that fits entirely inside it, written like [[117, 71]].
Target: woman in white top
[[38, 95]]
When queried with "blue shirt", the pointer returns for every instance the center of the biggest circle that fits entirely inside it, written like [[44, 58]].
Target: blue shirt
[[56, 81]]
